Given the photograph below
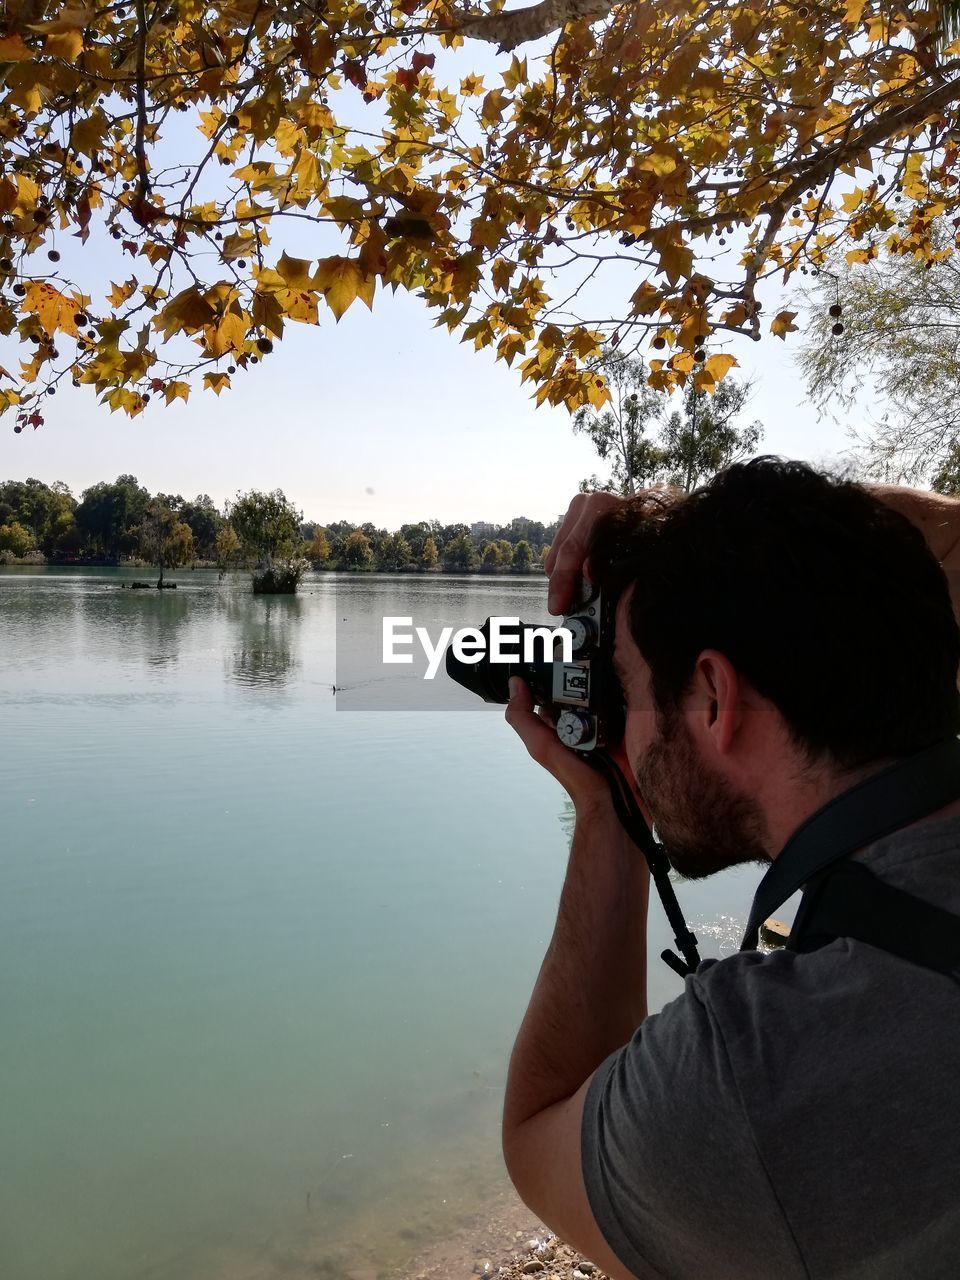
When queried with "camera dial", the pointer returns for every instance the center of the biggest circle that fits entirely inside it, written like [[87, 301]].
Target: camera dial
[[583, 632], [574, 728]]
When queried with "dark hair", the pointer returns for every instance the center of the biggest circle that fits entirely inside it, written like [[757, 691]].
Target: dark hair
[[825, 599]]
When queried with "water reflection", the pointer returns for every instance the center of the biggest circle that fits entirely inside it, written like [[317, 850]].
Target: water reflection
[[266, 640], [146, 626]]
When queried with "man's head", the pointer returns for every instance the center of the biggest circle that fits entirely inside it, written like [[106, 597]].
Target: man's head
[[779, 634]]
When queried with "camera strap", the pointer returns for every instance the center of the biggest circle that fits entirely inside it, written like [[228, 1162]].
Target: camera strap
[[634, 823], [903, 793]]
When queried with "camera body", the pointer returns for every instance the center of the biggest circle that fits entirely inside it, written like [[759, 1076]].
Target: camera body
[[583, 692]]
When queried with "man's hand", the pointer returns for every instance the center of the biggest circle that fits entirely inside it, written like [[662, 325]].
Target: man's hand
[[567, 559], [585, 786]]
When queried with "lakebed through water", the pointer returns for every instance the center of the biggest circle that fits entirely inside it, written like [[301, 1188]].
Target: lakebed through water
[[261, 961]]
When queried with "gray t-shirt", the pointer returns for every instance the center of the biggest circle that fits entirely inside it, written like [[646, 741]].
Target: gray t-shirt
[[792, 1115]]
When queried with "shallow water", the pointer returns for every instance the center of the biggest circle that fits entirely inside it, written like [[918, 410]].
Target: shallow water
[[261, 961]]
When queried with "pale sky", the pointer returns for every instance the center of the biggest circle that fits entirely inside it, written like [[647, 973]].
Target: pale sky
[[380, 402]]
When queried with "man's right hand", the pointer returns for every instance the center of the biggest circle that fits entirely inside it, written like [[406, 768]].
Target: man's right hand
[[567, 559]]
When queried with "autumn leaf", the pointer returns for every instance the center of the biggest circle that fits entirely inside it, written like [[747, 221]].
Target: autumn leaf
[[55, 311], [12, 49], [340, 280], [67, 45], [296, 273], [719, 365], [216, 382], [782, 324]]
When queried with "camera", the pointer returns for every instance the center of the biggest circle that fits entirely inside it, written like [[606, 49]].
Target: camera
[[583, 693]]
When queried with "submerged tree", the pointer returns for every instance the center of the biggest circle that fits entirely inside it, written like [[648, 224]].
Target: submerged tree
[[268, 527], [680, 154], [165, 540]]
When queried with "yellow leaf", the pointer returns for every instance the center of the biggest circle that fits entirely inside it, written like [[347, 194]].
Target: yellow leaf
[[176, 391], [119, 293], [55, 311], [516, 73], [296, 273], [186, 313], [216, 382], [719, 366], [341, 280], [67, 45], [12, 49], [300, 305], [229, 335], [66, 20], [782, 324]]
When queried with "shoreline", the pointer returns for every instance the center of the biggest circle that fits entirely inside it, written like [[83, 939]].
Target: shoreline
[[505, 1240]]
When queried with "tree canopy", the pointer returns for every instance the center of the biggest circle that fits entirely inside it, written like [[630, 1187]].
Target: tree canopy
[[675, 155]]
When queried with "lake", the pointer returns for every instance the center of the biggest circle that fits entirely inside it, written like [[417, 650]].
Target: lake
[[261, 961]]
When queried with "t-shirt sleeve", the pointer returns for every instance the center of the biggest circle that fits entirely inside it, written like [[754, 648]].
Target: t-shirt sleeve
[[671, 1169]]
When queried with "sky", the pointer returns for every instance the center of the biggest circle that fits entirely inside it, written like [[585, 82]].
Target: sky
[[381, 417]]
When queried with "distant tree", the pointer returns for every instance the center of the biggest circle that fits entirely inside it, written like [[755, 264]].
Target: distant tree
[[450, 533], [46, 510], [522, 556], [357, 551], [267, 524], [165, 540], [416, 535], [890, 327], [429, 556], [618, 432], [205, 522], [393, 552], [459, 554], [17, 539], [703, 436], [544, 552], [110, 514], [227, 549], [505, 550], [490, 557], [318, 549]]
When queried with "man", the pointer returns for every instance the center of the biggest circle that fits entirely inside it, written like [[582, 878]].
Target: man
[[780, 638]]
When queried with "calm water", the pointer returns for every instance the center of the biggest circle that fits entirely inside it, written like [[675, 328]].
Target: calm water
[[261, 961]]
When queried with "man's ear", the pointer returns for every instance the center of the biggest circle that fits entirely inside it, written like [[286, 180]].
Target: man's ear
[[715, 701]]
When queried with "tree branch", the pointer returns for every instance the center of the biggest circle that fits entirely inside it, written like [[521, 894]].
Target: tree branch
[[520, 26]]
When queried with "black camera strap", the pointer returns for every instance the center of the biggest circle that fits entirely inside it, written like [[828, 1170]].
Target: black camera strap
[[633, 822], [910, 789]]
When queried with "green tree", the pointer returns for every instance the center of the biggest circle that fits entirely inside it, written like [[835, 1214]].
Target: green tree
[[165, 540], [490, 557], [544, 552], [111, 514], [505, 551], [393, 552], [46, 510], [267, 524], [429, 557], [890, 329], [459, 553], [704, 436], [357, 551], [205, 522], [522, 556], [17, 539], [618, 432]]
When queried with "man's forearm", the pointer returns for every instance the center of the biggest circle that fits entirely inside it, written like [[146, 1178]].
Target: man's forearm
[[591, 993]]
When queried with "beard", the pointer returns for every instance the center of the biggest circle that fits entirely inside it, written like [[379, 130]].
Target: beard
[[703, 823]]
